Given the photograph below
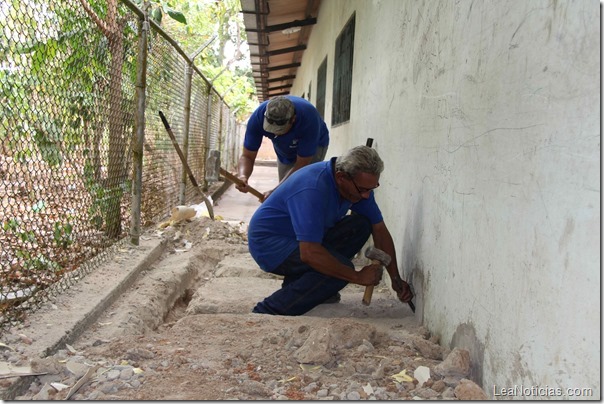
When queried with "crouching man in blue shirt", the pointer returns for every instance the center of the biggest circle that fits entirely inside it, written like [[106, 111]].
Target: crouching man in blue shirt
[[302, 232]]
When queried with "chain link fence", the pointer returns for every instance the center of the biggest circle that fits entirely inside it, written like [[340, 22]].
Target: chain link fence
[[84, 158]]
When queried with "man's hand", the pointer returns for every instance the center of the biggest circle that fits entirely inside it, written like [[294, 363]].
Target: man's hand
[[402, 289], [242, 187], [370, 275]]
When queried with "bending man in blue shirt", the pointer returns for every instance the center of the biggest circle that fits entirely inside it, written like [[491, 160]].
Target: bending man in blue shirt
[[299, 135], [302, 232]]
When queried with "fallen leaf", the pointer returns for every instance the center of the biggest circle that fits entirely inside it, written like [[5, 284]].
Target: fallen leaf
[[137, 371], [402, 376], [288, 380]]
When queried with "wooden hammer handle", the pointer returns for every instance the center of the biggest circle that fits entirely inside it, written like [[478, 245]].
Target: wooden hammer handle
[[237, 181], [369, 289]]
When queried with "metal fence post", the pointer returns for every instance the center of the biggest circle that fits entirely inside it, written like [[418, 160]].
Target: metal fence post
[[137, 149], [187, 118]]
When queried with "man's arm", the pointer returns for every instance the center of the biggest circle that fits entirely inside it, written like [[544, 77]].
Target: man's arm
[[315, 255], [245, 168], [382, 239]]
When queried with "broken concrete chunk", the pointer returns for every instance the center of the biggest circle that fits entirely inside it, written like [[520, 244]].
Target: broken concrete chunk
[[468, 390], [78, 369], [137, 354], [456, 364], [46, 365], [316, 348], [421, 374], [428, 349]]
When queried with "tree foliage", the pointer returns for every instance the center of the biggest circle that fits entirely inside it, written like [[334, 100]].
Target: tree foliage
[[218, 25]]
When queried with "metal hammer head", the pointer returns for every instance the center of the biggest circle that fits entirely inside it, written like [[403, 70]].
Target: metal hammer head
[[376, 254]]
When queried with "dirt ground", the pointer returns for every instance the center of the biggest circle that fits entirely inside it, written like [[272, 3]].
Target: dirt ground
[[184, 332]]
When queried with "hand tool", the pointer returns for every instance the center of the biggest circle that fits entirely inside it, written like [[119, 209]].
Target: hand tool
[[409, 281], [186, 166], [376, 256], [237, 181]]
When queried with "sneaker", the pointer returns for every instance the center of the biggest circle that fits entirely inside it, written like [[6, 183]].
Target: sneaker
[[333, 299]]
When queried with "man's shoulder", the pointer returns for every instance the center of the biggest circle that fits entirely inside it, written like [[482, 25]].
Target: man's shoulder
[[314, 174], [302, 104]]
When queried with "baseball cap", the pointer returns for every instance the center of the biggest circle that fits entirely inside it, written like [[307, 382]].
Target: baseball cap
[[279, 111]]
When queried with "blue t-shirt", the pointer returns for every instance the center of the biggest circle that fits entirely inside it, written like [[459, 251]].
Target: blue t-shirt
[[308, 132], [302, 208]]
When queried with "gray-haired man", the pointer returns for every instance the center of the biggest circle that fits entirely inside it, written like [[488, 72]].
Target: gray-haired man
[[302, 232]]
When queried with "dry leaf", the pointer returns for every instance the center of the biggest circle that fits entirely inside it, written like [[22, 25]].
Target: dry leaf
[[402, 376]]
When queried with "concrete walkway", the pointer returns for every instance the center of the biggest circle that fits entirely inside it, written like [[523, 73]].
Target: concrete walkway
[[237, 206]]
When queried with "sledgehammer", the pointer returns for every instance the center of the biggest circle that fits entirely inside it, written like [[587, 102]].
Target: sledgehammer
[[378, 256]]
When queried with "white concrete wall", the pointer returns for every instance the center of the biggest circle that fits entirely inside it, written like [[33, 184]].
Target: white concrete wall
[[487, 116]]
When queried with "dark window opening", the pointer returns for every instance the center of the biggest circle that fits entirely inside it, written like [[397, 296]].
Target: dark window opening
[[321, 83], [342, 80]]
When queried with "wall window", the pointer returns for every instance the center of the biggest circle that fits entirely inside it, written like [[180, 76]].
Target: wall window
[[342, 80], [321, 80], [309, 85]]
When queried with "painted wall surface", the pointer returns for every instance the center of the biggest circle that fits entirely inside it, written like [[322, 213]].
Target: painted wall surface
[[487, 116]]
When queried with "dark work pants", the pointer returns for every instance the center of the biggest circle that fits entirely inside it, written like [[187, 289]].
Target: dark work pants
[[304, 288]]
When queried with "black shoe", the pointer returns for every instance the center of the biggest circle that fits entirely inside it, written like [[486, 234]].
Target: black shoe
[[333, 299]]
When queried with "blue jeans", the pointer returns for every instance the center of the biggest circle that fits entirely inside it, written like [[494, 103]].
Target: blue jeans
[[303, 287]]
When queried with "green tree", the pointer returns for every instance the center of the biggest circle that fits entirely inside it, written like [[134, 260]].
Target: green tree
[[223, 62]]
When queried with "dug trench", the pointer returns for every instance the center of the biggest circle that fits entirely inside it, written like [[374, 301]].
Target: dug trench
[[183, 330]]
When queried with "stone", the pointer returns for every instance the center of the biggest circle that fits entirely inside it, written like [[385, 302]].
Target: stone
[[136, 354], [448, 393], [254, 388], [113, 374], [456, 364], [76, 368], [126, 374], [46, 365], [427, 349], [425, 392], [316, 348], [44, 393], [439, 386], [468, 390]]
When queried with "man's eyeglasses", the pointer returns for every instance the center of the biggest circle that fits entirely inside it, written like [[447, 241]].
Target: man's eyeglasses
[[362, 190], [280, 122]]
